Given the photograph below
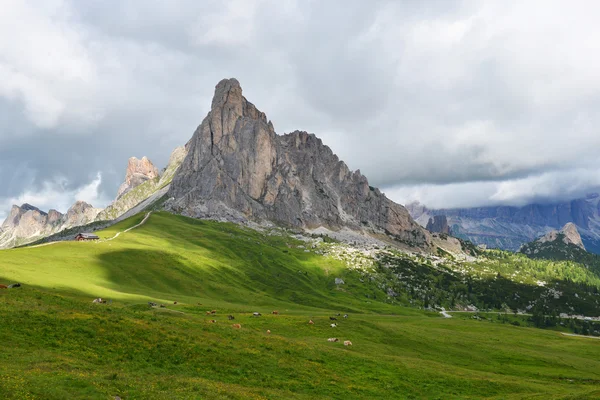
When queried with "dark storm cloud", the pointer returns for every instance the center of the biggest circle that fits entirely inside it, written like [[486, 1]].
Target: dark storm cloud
[[447, 102]]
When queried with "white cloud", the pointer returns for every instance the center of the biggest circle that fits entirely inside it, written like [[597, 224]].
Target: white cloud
[[44, 62], [547, 187], [446, 99]]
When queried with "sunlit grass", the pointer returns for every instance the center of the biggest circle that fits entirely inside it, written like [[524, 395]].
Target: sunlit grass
[[57, 344]]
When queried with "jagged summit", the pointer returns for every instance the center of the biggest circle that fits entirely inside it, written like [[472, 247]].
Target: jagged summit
[[138, 172], [238, 169]]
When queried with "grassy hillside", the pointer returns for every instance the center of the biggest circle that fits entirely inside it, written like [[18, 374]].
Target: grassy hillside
[[59, 345]]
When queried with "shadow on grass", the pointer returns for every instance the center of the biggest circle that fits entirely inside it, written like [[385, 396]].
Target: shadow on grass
[[236, 279]]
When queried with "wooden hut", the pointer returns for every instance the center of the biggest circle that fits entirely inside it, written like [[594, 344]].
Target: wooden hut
[[86, 236]]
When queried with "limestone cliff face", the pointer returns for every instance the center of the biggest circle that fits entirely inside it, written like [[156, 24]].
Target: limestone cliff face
[[238, 168], [27, 223], [138, 172]]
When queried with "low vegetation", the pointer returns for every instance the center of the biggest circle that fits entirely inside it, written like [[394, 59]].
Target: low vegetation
[[61, 345]]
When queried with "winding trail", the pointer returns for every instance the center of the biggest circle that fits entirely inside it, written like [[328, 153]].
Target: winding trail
[[142, 222]]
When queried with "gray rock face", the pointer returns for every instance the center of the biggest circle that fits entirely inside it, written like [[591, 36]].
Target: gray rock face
[[569, 235], [27, 223], [438, 224], [138, 172], [238, 168]]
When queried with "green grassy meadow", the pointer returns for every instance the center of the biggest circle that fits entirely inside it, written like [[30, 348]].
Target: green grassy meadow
[[56, 344]]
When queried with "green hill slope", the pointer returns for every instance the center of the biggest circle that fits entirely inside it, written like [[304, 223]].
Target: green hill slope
[[59, 345]]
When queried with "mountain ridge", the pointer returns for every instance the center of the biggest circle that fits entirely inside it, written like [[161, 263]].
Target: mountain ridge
[[239, 169], [509, 227]]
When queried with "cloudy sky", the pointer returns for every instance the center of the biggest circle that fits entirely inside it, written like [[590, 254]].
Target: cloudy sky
[[453, 103]]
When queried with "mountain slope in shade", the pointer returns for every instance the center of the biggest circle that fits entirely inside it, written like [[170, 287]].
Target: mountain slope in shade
[[239, 169], [510, 227]]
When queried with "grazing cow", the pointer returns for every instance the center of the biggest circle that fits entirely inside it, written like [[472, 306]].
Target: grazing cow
[[256, 314], [162, 306], [151, 304], [310, 322], [98, 300], [333, 339], [213, 311], [208, 313], [347, 343], [174, 302], [333, 325], [230, 317], [212, 321], [14, 285], [268, 331], [275, 312], [236, 326], [338, 314], [3, 287], [345, 315], [333, 318]]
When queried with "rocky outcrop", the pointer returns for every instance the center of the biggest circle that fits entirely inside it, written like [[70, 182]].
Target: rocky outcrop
[[79, 214], [438, 224], [143, 193], [138, 172], [27, 223], [568, 235], [563, 244], [238, 168]]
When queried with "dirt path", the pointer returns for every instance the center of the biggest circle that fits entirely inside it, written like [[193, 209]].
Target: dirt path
[[128, 229], [584, 336]]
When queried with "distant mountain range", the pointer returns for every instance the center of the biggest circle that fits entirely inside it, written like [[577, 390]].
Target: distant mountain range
[[509, 228], [143, 185]]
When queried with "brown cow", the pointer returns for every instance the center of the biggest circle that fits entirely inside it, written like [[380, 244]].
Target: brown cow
[[212, 321], [3, 287], [236, 326], [275, 312], [208, 313], [174, 302], [311, 322], [268, 331], [213, 311]]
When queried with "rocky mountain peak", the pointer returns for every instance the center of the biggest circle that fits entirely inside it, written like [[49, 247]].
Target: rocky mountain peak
[[239, 169], [438, 224], [138, 172], [29, 207], [568, 233]]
